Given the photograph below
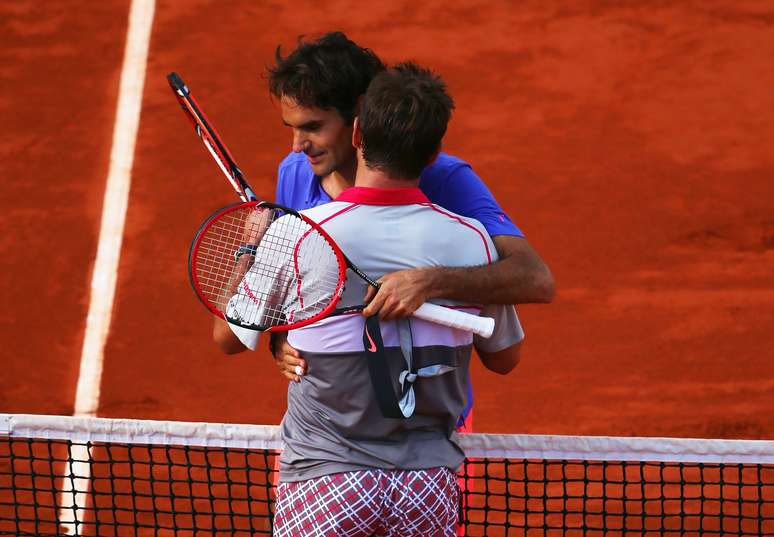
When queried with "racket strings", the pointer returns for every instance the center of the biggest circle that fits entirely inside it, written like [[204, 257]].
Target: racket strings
[[216, 257], [291, 272], [309, 274]]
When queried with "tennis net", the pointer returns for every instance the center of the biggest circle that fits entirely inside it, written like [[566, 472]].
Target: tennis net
[[94, 476]]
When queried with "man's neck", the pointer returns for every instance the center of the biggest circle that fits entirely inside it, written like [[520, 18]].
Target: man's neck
[[335, 183], [378, 179], [339, 180]]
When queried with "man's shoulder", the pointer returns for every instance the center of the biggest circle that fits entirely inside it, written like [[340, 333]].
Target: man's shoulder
[[324, 211], [457, 237], [294, 180], [295, 166], [295, 163], [444, 165], [445, 176], [442, 214]]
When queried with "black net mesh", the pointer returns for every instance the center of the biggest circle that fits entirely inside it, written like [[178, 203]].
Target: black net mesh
[[582, 498], [73, 487], [58, 487]]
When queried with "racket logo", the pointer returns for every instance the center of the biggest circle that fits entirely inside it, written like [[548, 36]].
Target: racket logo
[[250, 293], [372, 348]]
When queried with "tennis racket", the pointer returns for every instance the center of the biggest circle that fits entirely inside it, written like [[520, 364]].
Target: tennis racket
[[267, 267], [210, 138]]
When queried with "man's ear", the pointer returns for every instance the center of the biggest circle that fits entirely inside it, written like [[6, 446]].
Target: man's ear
[[357, 136], [359, 105]]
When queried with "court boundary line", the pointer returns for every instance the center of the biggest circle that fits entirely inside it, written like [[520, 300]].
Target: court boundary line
[[103, 282], [105, 273]]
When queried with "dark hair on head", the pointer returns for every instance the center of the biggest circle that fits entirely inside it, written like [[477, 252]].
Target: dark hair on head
[[403, 119], [331, 72]]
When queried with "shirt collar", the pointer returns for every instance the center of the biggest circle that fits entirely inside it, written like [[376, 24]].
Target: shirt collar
[[366, 195]]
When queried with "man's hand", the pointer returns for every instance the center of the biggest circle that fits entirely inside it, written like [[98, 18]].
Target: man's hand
[[256, 224], [288, 359], [399, 294], [257, 221]]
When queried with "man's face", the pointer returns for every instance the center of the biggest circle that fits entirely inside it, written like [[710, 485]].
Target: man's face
[[320, 134]]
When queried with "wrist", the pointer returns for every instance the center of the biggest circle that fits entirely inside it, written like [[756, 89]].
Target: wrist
[[248, 249], [276, 340], [431, 282]]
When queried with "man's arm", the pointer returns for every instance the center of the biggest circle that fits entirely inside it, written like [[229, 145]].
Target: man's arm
[[225, 338], [519, 277], [287, 358], [501, 362], [233, 340]]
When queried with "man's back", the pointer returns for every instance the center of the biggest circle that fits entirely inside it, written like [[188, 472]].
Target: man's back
[[334, 405]]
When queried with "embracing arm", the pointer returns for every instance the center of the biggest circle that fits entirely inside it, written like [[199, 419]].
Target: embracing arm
[[503, 361], [288, 359], [501, 351], [225, 338], [519, 277]]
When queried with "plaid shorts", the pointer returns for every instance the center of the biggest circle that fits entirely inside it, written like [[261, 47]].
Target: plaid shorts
[[386, 503]]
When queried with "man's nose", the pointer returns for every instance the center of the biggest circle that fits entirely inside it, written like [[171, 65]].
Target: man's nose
[[300, 142]]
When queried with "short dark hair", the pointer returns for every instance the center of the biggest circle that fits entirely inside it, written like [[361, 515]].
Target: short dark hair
[[331, 72], [403, 119]]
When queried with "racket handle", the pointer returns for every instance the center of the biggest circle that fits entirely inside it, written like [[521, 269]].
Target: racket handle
[[483, 326]]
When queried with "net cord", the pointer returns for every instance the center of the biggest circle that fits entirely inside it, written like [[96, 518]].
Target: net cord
[[475, 445]]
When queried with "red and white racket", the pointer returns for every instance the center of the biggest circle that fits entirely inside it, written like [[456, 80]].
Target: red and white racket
[[267, 267], [209, 136]]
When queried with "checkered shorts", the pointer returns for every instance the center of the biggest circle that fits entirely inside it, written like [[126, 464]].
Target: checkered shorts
[[386, 503]]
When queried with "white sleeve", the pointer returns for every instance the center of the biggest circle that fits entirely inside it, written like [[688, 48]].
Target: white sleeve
[[249, 338], [263, 297], [507, 331], [261, 294]]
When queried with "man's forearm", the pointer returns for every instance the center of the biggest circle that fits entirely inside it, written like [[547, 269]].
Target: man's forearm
[[519, 277], [225, 338], [503, 361]]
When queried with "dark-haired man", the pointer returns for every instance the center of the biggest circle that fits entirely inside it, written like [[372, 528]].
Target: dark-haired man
[[318, 86], [346, 469]]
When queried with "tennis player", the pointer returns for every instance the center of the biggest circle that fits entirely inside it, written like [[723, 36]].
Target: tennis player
[[346, 469], [318, 86]]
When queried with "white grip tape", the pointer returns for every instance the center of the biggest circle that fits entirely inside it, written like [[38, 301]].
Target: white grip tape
[[483, 326]]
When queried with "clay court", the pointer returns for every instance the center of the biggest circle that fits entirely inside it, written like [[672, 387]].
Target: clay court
[[632, 145]]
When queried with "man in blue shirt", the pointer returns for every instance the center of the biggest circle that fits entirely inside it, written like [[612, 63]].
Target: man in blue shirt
[[319, 85], [348, 468]]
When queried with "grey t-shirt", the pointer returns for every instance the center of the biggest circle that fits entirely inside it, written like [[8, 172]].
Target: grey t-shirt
[[333, 422]]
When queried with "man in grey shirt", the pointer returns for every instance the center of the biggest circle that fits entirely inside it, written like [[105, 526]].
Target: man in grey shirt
[[346, 468]]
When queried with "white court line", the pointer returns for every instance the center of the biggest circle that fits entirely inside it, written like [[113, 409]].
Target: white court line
[[103, 283]]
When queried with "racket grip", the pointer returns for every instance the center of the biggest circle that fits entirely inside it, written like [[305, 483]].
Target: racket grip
[[483, 326]]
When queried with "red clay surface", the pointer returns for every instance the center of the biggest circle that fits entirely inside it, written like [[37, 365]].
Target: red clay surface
[[59, 70], [631, 144]]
